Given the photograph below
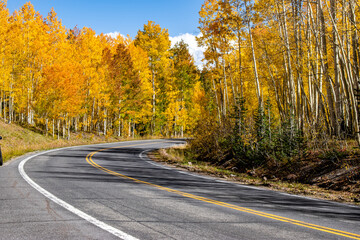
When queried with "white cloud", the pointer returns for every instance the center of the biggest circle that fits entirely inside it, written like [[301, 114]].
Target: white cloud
[[196, 51], [114, 34]]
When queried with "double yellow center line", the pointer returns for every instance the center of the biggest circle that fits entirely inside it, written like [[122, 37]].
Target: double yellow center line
[[223, 204]]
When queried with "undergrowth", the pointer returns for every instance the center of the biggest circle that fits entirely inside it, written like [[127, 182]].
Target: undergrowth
[[18, 140]]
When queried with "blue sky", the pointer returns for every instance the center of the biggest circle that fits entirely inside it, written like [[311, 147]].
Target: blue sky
[[126, 17], [123, 16]]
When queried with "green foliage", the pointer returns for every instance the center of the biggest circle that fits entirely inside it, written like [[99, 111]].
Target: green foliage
[[248, 142], [289, 140]]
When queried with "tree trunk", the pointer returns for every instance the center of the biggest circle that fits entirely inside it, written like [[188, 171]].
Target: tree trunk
[[58, 129], [338, 101], [257, 82], [46, 126], [68, 129], [153, 126], [217, 100], [329, 86]]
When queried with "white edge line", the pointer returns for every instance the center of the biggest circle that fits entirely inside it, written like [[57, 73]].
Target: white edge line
[[67, 206], [146, 159]]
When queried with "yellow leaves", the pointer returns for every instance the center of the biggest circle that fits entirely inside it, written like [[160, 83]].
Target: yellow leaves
[[155, 41], [4, 69], [141, 67], [94, 81], [199, 102], [63, 89]]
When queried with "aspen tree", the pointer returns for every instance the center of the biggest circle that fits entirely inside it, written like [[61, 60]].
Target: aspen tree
[[155, 42]]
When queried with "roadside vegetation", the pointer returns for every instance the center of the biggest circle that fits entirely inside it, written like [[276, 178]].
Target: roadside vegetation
[[316, 176], [331, 172], [281, 92], [254, 147], [18, 140]]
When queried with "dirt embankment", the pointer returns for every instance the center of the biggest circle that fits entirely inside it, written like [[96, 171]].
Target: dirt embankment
[[331, 176], [337, 173]]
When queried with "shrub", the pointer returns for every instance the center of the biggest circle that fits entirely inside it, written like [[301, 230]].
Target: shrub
[[248, 142]]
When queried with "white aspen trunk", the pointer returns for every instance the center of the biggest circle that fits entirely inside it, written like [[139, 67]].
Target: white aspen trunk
[[64, 128], [257, 82], [119, 119], [226, 94], [232, 86], [98, 122], [222, 99], [309, 54], [129, 130], [85, 122], [32, 117], [348, 81], [11, 112], [28, 107], [46, 126], [302, 100], [337, 86], [133, 130], [123, 127], [153, 124], [217, 100], [288, 61], [356, 53], [355, 41], [317, 75], [58, 129], [91, 127], [277, 98], [119, 127], [68, 129], [105, 122], [240, 60], [76, 119]]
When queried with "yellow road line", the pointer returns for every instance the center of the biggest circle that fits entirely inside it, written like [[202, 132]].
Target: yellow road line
[[223, 204]]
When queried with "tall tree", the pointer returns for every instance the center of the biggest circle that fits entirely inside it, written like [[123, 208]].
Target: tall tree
[[185, 78], [156, 43]]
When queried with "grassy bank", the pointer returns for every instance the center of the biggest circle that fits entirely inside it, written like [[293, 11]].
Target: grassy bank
[[348, 192], [18, 140]]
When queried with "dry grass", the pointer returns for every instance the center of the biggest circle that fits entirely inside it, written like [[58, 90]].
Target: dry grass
[[18, 140], [176, 157]]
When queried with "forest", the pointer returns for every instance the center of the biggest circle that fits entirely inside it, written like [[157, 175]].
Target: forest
[[278, 76], [64, 80], [283, 80]]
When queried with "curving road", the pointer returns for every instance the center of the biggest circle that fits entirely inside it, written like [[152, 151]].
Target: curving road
[[113, 191]]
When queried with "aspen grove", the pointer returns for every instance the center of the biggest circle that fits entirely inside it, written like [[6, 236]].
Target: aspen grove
[[301, 56], [69, 80], [267, 63]]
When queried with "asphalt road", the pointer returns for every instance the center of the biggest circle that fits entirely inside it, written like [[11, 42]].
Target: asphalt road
[[113, 190]]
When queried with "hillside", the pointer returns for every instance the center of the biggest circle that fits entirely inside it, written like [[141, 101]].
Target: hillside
[[318, 175], [18, 140]]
